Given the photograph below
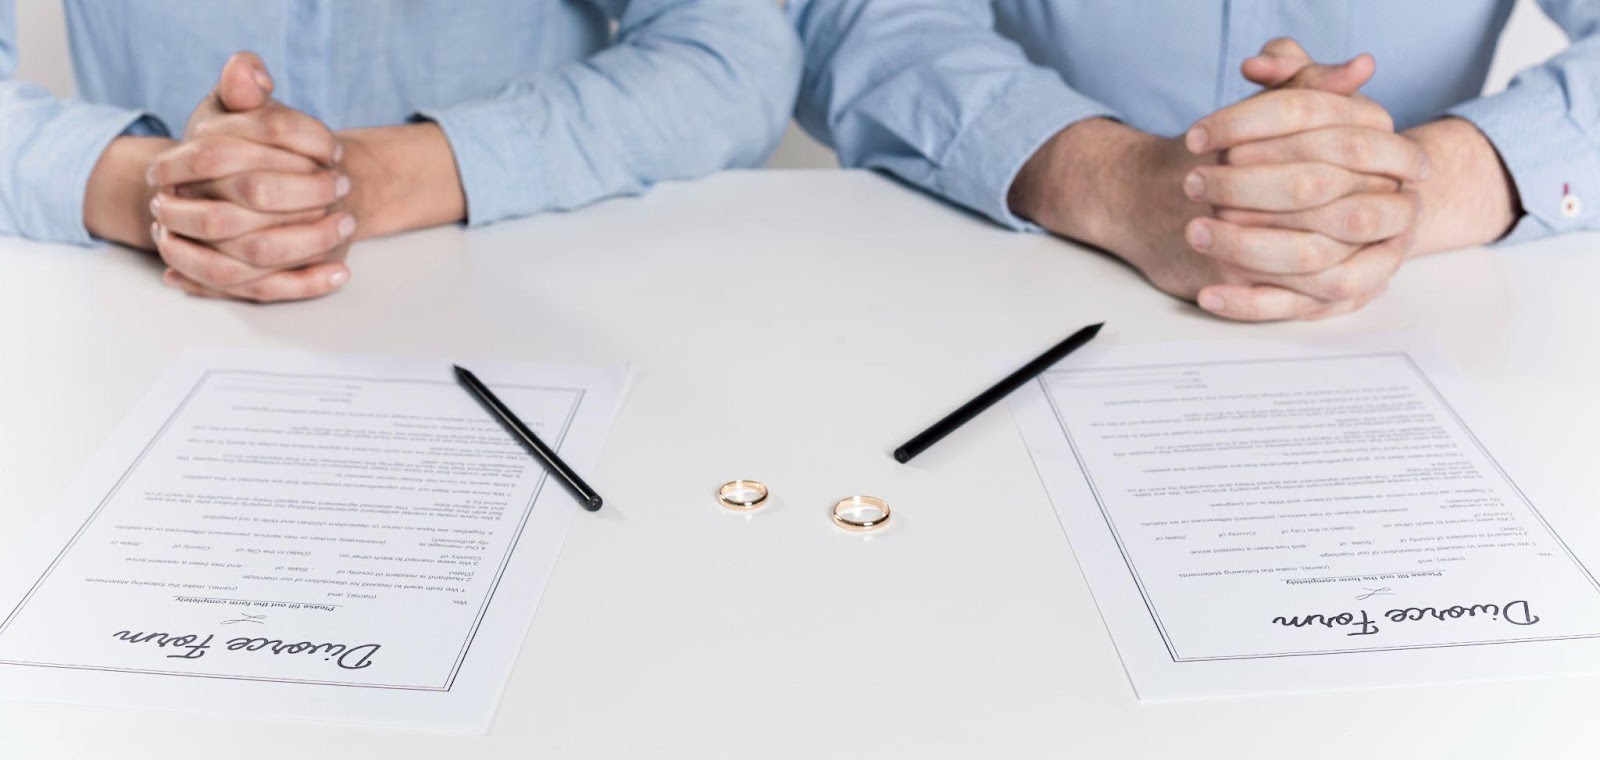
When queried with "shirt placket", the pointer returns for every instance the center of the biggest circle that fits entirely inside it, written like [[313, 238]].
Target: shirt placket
[[310, 34], [1246, 25]]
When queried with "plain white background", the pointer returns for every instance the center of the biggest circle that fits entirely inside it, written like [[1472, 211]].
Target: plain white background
[[1529, 39]]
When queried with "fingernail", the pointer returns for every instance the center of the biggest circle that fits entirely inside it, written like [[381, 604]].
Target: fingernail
[[339, 277], [169, 278], [155, 206], [1199, 236], [347, 227], [264, 79], [1197, 139], [341, 186], [1212, 302], [155, 231], [150, 176], [1427, 167], [1194, 186], [338, 152]]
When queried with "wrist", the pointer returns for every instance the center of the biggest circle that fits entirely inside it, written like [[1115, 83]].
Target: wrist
[[1057, 188], [1469, 197], [116, 203], [1104, 183], [401, 178]]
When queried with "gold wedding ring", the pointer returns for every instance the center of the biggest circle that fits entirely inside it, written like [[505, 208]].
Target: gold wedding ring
[[742, 495], [861, 513]]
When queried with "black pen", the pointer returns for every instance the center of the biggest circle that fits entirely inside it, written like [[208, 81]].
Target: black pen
[[1000, 390], [586, 495]]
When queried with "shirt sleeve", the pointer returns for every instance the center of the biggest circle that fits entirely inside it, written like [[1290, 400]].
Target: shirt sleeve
[[48, 147], [1546, 127], [687, 88], [929, 91]]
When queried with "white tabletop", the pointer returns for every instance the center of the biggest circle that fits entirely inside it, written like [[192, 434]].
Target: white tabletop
[[794, 327]]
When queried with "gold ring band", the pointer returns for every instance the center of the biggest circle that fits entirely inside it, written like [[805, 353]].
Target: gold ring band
[[742, 495], [854, 523]]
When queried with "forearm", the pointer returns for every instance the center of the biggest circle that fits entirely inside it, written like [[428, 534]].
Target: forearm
[[1545, 129], [929, 91], [1469, 198], [402, 178], [1103, 183], [1059, 187], [116, 203], [688, 87]]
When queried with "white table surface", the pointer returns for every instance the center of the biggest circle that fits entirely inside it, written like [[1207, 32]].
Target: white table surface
[[794, 327]]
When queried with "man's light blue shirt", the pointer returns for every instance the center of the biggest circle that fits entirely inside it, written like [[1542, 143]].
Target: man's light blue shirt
[[954, 95], [547, 104]]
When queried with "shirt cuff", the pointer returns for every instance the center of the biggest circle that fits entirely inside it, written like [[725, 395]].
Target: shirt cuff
[[56, 164], [986, 158], [500, 171], [1552, 161]]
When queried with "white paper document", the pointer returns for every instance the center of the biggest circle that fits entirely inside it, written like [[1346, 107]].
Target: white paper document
[[1262, 518], [331, 538]]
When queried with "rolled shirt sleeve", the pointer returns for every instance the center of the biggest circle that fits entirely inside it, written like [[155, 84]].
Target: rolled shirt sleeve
[[48, 148], [689, 87], [928, 91], [1546, 128]]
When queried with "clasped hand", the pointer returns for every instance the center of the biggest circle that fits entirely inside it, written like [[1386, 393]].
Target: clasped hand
[[1291, 204], [252, 202], [1311, 213]]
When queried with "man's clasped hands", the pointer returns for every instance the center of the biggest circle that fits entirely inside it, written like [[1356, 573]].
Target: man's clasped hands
[[259, 201], [1294, 203], [255, 201]]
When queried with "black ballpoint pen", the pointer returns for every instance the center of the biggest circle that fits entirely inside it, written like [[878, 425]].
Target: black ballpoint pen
[[586, 495], [1000, 390]]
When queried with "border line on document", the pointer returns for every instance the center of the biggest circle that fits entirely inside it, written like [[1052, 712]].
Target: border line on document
[[1110, 525], [162, 430], [516, 538], [1428, 382]]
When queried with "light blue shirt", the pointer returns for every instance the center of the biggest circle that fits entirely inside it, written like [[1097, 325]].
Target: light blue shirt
[[545, 106], [954, 95]]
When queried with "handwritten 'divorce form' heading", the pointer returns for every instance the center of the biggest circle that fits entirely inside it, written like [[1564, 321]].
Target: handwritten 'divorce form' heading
[[275, 526], [1269, 519]]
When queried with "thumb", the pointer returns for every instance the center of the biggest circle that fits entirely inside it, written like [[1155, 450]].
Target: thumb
[[244, 83], [1278, 72], [1345, 78], [1279, 60]]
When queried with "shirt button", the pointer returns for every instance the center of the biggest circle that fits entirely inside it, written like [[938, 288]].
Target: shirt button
[[1571, 207]]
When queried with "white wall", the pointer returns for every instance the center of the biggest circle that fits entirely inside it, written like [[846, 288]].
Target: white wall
[[1529, 39], [42, 45]]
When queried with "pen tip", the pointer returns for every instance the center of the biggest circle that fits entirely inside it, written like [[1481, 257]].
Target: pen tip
[[1095, 328]]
